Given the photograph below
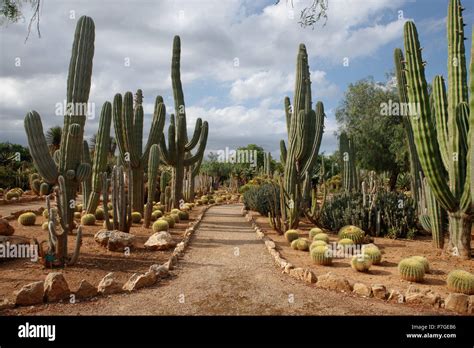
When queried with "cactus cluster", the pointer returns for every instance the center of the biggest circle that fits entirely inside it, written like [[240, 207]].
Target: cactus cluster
[[461, 281]]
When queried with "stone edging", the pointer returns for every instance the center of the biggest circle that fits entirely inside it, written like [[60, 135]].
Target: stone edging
[[55, 288], [457, 302]]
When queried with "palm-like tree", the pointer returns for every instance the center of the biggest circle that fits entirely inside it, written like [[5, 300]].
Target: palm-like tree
[[53, 138]]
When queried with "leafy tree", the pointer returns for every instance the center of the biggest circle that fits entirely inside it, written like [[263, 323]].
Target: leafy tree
[[312, 12], [15, 165], [379, 139], [11, 12]]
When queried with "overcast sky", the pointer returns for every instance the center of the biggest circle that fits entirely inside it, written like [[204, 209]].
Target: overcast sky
[[243, 104]]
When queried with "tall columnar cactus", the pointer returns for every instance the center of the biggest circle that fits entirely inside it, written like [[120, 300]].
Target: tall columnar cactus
[[165, 178], [441, 135], [305, 130], [101, 151], [190, 174], [430, 214], [69, 171], [128, 124], [121, 200], [178, 152], [267, 163], [347, 153], [153, 163]]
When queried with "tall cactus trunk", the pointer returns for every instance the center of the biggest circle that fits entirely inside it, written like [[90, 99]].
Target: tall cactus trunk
[[137, 189], [460, 225]]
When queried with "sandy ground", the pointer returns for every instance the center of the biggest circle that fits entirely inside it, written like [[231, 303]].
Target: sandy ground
[[227, 271]]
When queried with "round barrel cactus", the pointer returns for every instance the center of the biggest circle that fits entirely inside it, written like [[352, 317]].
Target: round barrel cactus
[[352, 232], [321, 236], [314, 231], [183, 215], [291, 235], [44, 226], [374, 253], [27, 219], [317, 243], [156, 215], [300, 244], [424, 261], [99, 214], [345, 242], [361, 263], [136, 217], [321, 255], [169, 220], [411, 270], [44, 189], [175, 217], [77, 215], [461, 281], [88, 219], [160, 225]]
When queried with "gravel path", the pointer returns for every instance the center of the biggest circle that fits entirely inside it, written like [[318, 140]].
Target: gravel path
[[227, 271]]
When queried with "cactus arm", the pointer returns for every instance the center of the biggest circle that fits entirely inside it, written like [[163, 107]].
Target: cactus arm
[[87, 182], [440, 108], [105, 201], [202, 146], [287, 104], [156, 130], [129, 130], [196, 135], [153, 163], [283, 152], [422, 123], [137, 135], [77, 247], [319, 130], [39, 148], [176, 80], [118, 125]]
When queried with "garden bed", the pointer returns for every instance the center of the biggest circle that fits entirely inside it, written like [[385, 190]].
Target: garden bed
[[387, 272]]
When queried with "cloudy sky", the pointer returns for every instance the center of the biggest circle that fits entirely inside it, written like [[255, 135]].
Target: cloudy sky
[[237, 63]]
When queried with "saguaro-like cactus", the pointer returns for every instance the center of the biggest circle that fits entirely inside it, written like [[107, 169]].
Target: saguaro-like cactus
[[153, 163], [347, 153], [69, 171], [178, 152], [128, 124], [121, 200], [441, 134], [101, 152], [305, 129]]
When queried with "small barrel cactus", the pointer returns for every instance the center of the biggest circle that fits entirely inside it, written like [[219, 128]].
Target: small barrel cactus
[[424, 261], [44, 226], [27, 219], [77, 215], [199, 202], [160, 225], [136, 217], [174, 211], [361, 262], [99, 214], [183, 215], [44, 189], [156, 215], [317, 243], [461, 281], [79, 207], [219, 200], [204, 200], [212, 201], [88, 219], [169, 219], [374, 253], [314, 231], [294, 244], [175, 217], [345, 242], [12, 195], [321, 236], [321, 255], [411, 270], [291, 235], [352, 232], [300, 244]]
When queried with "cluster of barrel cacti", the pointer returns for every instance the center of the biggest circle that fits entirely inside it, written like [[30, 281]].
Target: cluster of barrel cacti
[[38, 186], [440, 123]]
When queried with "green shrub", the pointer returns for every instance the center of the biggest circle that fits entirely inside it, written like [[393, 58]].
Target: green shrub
[[411, 270], [27, 219], [461, 281], [258, 198], [160, 225], [88, 219]]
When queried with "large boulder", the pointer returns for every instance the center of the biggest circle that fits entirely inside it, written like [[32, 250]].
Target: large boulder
[[334, 282], [85, 290], [109, 285], [138, 281], [5, 228], [30, 294], [160, 241], [115, 240], [55, 287]]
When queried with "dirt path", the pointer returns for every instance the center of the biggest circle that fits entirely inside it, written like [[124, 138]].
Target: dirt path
[[7, 209], [227, 271]]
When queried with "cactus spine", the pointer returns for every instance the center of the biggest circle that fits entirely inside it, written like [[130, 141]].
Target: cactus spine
[[153, 163], [305, 130], [70, 171], [178, 152], [128, 124], [441, 136]]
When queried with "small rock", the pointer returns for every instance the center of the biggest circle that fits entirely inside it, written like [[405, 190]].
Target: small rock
[[288, 267], [55, 287], [138, 281], [425, 297], [395, 296], [160, 271], [362, 289], [6, 304], [379, 291], [5, 228], [160, 241], [85, 290], [30, 294], [109, 285], [115, 240], [270, 244], [470, 307], [457, 302], [333, 282]]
